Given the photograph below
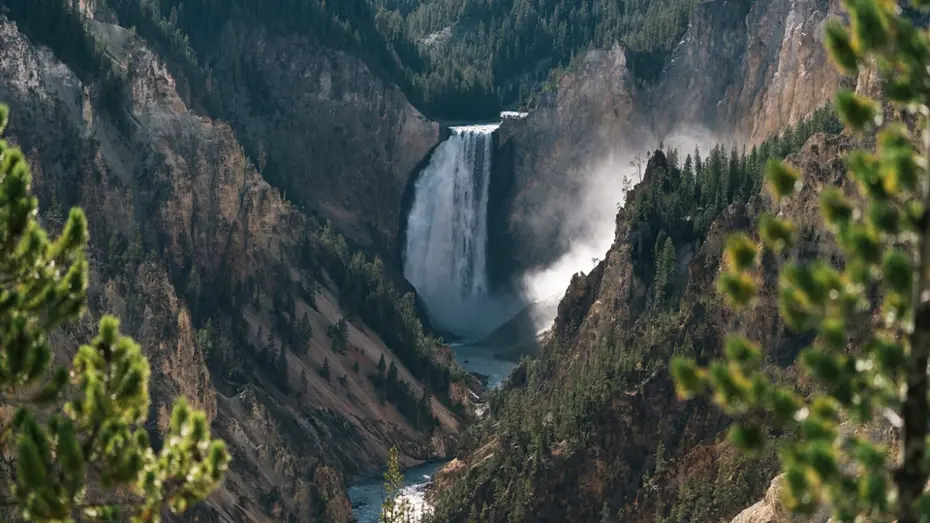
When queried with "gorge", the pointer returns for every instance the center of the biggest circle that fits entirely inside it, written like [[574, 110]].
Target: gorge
[[246, 166], [445, 260]]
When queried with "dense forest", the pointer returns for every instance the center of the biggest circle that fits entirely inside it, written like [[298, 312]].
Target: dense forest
[[513, 45], [455, 59], [187, 29], [540, 423]]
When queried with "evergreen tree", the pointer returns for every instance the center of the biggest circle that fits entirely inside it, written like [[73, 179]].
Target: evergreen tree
[[666, 266], [425, 409], [391, 383], [734, 176], [395, 509], [281, 367], [77, 437], [886, 242], [306, 331], [339, 334], [206, 342]]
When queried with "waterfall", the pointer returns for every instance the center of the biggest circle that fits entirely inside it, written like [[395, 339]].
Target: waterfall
[[446, 249]]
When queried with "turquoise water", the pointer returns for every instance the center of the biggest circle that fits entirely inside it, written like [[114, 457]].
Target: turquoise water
[[368, 495]]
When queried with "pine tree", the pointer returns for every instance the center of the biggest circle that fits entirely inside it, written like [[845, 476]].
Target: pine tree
[[339, 334], [281, 367], [886, 242], [395, 508], [206, 342], [391, 383], [665, 268], [306, 331], [78, 435], [734, 175]]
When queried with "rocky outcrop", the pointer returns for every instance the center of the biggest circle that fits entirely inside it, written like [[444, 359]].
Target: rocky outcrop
[[206, 265], [335, 137], [747, 70], [555, 152], [742, 72], [644, 454], [771, 510]]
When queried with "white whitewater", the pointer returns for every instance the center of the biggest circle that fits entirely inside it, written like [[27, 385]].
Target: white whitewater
[[446, 252]]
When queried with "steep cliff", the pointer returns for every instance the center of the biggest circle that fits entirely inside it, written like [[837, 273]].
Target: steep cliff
[[226, 284], [742, 72], [748, 69], [337, 139], [554, 153], [594, 429], [309, 91]]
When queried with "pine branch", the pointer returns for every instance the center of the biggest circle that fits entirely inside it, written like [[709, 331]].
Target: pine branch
[[912, 475]]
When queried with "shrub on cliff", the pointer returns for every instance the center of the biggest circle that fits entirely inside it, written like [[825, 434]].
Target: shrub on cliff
[[886, 240], [78, 445]]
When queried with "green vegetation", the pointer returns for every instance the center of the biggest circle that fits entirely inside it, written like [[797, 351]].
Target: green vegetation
[[394, 509], [513, 45], [366, 291], [861, 373], [187, 31], [559, 408], [499, 52], [338, 334], [730, 484], [678, 206], [78, 438], [417, 409]]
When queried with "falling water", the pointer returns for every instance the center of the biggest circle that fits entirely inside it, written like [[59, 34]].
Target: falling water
[[446, 249]]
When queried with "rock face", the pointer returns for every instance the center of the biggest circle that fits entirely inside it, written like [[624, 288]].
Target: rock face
[[771, 510], [645, 454], [748, 69], [335, 137], [185, 231], [552, 154], [743, 71]]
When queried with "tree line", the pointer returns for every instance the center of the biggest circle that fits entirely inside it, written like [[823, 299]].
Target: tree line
[[512, 45], [680, 206], [498, 53]]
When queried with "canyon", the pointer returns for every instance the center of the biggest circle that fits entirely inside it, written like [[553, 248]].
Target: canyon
[[247, 218]]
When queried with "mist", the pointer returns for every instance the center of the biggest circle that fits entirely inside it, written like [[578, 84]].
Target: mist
[[587, 228], [589, 216]]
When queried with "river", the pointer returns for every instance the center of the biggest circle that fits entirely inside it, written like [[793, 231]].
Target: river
[[368, 495]]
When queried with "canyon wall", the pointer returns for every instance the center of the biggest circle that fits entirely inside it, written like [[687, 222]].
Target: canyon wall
[[743, 71], [207, 265]]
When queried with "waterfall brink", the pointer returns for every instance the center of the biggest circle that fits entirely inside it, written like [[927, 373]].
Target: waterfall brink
[[446, 251]]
